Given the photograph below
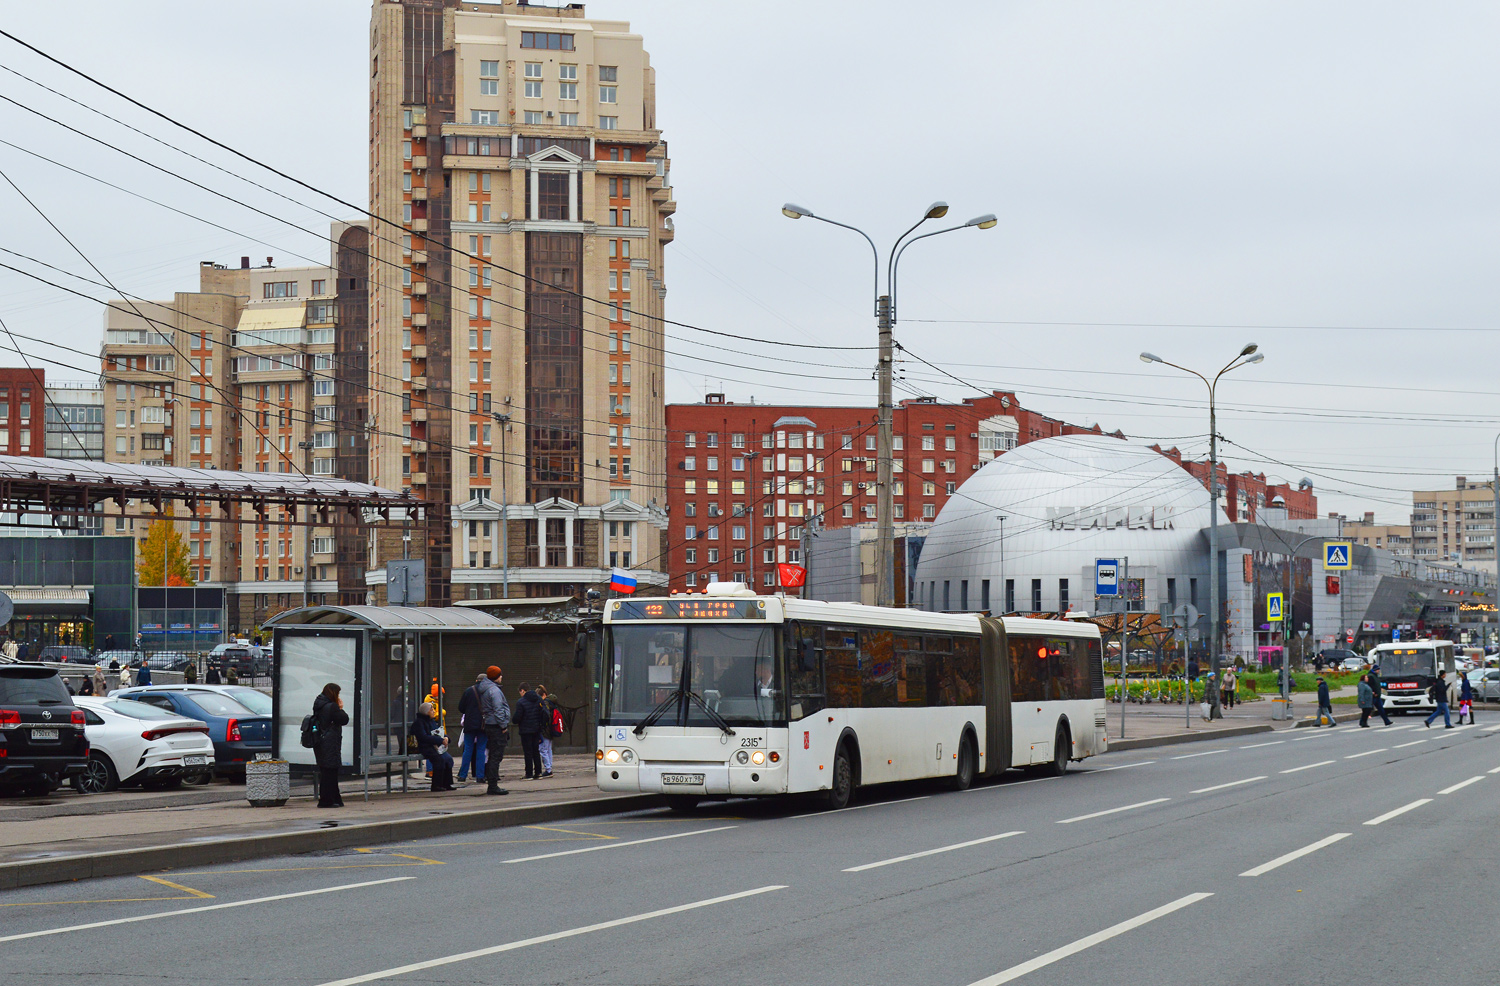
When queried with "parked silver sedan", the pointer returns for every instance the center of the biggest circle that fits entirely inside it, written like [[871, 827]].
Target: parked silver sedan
[[1486, 684]]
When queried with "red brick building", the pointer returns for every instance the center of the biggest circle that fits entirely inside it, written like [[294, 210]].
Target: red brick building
[[743, 479], [1247, 492], [23, 412]]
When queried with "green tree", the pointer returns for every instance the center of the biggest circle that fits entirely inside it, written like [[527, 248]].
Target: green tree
[[163, 542]]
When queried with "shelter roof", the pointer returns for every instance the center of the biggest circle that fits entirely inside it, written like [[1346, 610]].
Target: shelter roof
[[450, 619]]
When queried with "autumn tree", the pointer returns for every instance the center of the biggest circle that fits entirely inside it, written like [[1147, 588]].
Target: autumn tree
[[163, 543]]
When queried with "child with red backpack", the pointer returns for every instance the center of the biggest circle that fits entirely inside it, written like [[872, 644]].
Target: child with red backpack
[[552, 728]]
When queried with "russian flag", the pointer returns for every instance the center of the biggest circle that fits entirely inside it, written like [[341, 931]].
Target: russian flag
[[621, 580]]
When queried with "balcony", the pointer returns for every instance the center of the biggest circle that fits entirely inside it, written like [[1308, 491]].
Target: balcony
[[418, 446], [419, 479], [419, 257], [419, 131], [419, 163], [419, 383], [419, 289], [419, 194], [419, 414], [418, 352], [419, 225], [418, 321]]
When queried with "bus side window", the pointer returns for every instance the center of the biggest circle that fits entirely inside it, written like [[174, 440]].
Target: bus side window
[[806, 672], [841, 660]]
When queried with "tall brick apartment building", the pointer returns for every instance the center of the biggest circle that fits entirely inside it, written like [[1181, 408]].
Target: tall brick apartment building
[[743, 479], [1246, 493], [22, 393]]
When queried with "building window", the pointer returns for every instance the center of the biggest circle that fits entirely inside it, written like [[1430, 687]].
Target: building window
[[533, 89], [534, 117], [609, 123], [489, 78], [548, 40], [1010, 595], [1036, 595], [487, 118], [1062, 595], [569, 120], [279, 289]]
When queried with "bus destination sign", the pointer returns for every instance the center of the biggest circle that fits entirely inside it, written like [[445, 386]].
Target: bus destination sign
[[688, 609]]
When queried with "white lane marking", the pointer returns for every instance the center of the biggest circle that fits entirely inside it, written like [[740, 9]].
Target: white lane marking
[[1232, 784], [1491, 729], [1256, 746], [618, 845], [1495, 771], [874, 804], [1398, 811], [1308, 766], [1220, 787], [1205, 753], [1297, 854], [1461, 785], [1356, 756], [1042, 961], [1402, 746], [200, 910], [1463, 725], [1010, 784], [402, 970], [1100, 770], [1317, 735], [930, 852], [1111, 811], [1397, 729]]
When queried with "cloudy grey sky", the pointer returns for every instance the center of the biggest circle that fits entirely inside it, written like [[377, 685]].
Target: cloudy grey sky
[[1176, 177]]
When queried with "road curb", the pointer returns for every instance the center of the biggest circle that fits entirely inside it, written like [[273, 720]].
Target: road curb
[[129, 862], [1176, 738]]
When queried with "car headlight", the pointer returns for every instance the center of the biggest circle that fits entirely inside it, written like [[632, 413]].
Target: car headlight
[[627, 756], [741, 757], [613, 756], [758, 757]]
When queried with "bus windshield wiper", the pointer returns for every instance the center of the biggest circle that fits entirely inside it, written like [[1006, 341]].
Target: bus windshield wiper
[[658, 712], [717, 719]]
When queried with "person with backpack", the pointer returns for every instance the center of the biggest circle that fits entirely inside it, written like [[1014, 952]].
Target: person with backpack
[[1325, 704], [325, 735], [471, 724], [551, 731], [530, 721]]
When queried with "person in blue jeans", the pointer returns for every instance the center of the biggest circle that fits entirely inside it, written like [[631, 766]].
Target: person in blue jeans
[[471, 721], [1438, 692]]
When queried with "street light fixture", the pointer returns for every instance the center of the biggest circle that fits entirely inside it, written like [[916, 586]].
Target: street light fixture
[[1246, 356], [885, 318]]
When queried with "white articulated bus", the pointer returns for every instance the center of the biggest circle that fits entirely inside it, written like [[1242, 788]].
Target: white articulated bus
[[729, 693]]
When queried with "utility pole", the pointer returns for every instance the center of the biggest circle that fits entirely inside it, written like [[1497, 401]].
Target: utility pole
[[504, 421], [885, 529]]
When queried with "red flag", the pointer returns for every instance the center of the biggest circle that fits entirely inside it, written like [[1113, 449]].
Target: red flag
[[791, 576]]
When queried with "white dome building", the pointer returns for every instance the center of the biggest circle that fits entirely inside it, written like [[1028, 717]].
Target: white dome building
[[1065, 502]]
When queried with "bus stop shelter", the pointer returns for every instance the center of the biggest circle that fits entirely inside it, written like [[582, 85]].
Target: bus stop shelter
[[388, 660]]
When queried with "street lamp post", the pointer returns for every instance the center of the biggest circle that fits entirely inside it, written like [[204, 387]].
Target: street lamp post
[[503, 420], [885, 531], [1246, 356]]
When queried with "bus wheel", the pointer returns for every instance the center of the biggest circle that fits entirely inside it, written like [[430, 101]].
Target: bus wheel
[[961, 780], [681, 803], [841, 786], [1062, 746]]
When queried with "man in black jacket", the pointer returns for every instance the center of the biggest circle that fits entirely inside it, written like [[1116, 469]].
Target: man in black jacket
[[530, 719], [1374, 679], [1438, 692], [1325, 704], [472, 723]]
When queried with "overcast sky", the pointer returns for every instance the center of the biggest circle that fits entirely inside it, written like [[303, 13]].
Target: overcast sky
[[1184, 178]]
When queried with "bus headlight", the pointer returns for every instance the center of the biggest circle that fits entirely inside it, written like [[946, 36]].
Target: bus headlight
[[758, 757], [612, 756], [741, 757], [627, 756]]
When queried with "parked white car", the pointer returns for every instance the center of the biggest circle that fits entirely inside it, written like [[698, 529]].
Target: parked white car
[[136, 743]]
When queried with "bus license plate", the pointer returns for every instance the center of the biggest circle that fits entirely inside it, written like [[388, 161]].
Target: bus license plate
[[696, 779], [44, 734]]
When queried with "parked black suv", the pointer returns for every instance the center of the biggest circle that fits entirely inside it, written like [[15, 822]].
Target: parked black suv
[[42, 742]]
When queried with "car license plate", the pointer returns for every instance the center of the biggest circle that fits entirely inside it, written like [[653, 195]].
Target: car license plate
[[194, 761], [682, 779], [44, 734]]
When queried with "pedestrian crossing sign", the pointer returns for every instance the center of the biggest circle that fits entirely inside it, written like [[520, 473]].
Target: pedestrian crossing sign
[[1273, 606], [1337, 555]]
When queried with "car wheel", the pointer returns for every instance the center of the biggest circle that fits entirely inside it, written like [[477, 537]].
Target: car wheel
[[99, 777], [841, 782], [967, 761], [205, 777]]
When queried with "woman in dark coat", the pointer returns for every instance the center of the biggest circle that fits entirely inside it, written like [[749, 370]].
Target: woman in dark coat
[[328, 712], [424, 729]]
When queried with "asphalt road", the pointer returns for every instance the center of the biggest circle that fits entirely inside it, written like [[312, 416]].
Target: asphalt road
[[1312, 856]]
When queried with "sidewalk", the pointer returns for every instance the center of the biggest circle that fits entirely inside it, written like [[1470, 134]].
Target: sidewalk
[[67, 825], [1163, 725]]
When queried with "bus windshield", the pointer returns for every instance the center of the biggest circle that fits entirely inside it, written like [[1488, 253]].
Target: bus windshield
[[731, 668], [1405, 660]]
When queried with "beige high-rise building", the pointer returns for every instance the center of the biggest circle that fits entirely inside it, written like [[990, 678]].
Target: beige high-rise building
[[517, 294], [1456, 525], [1395, 538], [262, 369]]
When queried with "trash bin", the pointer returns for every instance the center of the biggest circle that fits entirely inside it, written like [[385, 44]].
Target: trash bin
[[1281, 708], [268, 783]]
